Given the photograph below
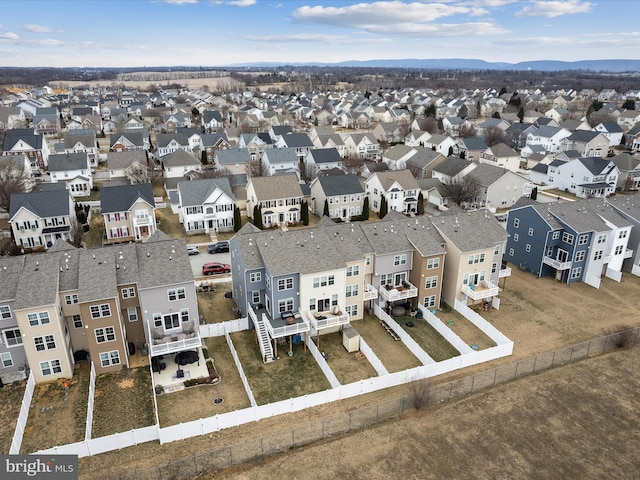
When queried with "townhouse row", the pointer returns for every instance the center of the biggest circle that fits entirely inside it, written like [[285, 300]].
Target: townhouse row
[[106, 303], [315, 280]]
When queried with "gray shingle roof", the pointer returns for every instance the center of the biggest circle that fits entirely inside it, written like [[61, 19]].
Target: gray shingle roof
[[38, 281], [587, 215], [233, 156], [50, 203], [486, 175], [122, 160], [471, 231], [279, 186], [68, 161], [196, 192], [452, 166], [404, 177], [333, 185], [180, 158], [325, 155], [280, 155], [120, 198]]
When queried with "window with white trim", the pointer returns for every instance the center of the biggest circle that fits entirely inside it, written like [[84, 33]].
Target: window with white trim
[[50, 367], [255, 297], [527, 247], [108, 359], [12, 337], [386, 279], [352, 310], [580, 256], [323, 281], [511, 252], [496, 250], [99, 311], [353, 271], [567, 238], [77, 321], [40, 318], [177, 294], [597, 255], [530, 232], [516, 222], [105, 334], [128, 292], [583, 239], [285, 283], [623, 234], [515, 237], [367, 261], [431, 282], [433, 263], [5, 360], [184, 315], [429, 301], [576, 272], [132, 314], [285, 305], [255, 277], [351, 291], [171, 321], [46, 342], [602, 238], [157, 319], [619, 250], [556, 235], [400, 259], [71, 299], [5, 312], [476, 258]]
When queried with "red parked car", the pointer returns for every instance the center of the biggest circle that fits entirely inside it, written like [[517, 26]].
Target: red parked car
[[215, 267]]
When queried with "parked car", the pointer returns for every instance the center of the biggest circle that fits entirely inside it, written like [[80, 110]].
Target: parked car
[[220, 247], [215, 267], [192, 250], [186, 357]]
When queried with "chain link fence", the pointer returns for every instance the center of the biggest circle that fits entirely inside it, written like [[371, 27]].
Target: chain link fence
[[363, 417]]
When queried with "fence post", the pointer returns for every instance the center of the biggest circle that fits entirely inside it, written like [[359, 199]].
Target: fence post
[[515, 375], [553, 358]]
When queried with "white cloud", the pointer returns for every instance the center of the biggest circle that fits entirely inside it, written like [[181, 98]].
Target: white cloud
[[554, 8], [384, 12], [314, 38], [32, 27], [180, 2], [49, 42], [242, 3], [9, 36], [438, 30]]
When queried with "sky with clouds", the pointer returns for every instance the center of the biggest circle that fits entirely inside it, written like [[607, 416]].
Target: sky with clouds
[[129, 33]]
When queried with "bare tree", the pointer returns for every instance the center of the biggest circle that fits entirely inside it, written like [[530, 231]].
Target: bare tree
[[137, 173], [215, 173], [462, 191], [428, 124], [14, 178], [466, 130], [493, 136], [353, 164], [255, 168]]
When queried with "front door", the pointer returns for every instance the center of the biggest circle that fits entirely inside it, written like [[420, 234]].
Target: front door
[[281, 218]]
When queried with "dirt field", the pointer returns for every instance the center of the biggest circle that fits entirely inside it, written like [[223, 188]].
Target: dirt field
[[578, 421], [538, 314], [10, 404], [53, 401]]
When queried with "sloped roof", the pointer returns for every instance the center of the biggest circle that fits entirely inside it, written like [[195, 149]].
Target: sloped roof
[[277, 186], [180, 158], [120, 198], [404, 177], [233, 156], [333, 185], [68, 161], [470, 231], [452, 166], [325, 155], [50, 203], [196, 192]]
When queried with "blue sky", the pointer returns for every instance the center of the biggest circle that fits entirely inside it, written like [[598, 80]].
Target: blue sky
[[126, 33]]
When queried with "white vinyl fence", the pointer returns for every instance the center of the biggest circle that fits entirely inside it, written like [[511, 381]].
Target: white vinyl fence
[[18, 433], [256, 412], [90, 403]]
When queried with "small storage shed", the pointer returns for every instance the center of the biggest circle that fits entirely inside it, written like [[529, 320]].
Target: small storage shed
[[350, 339]]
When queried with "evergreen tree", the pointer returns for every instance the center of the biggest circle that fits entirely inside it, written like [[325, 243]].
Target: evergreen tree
[[495, 115], [503, 90], [304, 213], [420, 204], [257, 217], [450, 151], [384, 208], [325, 212], [237, 220], [365, 209], [534, 193], [521, 113]]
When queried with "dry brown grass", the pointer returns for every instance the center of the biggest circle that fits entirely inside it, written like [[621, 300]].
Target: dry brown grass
[[169, 223], [65, 421], [10, 404], [214, 307], [346, 367]]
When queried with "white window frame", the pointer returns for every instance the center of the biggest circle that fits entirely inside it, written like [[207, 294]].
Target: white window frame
[[106, 333], [5, 312], [50, 367], [15, 340], [431, 282], [75, 318], [38, 318], [429, 302], [400, 259], [100, 310], [6, 360], [128, 292], [255, 277], [109, 359], [44, 342], [433, 263], [71, 299], [132, 314], [176, 294]]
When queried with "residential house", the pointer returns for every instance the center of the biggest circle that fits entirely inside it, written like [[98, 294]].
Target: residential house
[[470, 148], [629, 167], [11, 118], [572, 241], [25, 141], [277, 198], [177, 166], [453, 170], [129, 212], [103, 302], [39, 218], [333, 140], [18, 166], [299, 142], [549, 138], [168, 143], [127, 141], [587, 143], [83, 141], [612, 131], [501, 155], [433, 193], [46, 121], [277, 161], [399, 187], [342, 196], [361, 145], [172, 121], [629, 207], [206, 205], [210, 143], [121, 164], [255, 144], [235, 160], [585, 177], [397, 156], [416, 138], [475, 243], [423, 162], [498, 187], [74, 170], [321, 160], [632, 138], [390, 132], [453, 125], [212, 121], [440, 143]]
